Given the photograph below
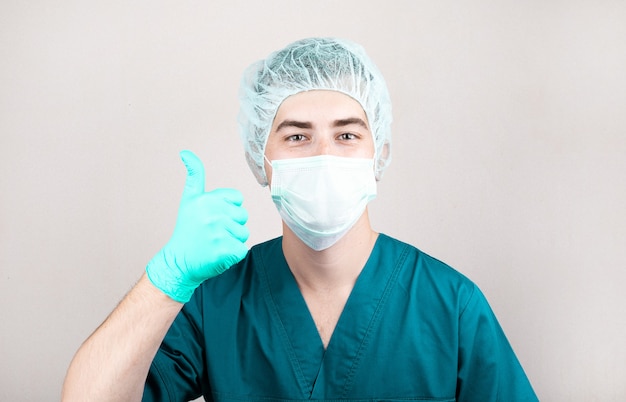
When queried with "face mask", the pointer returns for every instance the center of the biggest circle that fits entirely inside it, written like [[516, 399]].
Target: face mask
[[321, 197]]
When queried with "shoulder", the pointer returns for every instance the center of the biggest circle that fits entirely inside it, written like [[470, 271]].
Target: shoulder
[[419, 262], [429, 277]]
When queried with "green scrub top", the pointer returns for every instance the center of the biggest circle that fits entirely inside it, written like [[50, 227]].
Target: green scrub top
[[412, 329]]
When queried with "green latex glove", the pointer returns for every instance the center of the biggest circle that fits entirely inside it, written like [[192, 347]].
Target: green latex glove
[[208, 238]]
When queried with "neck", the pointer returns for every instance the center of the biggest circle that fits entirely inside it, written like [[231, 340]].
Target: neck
[[336, 267]]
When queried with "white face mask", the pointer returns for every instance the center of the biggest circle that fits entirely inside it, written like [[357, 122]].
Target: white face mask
[[321, 197]]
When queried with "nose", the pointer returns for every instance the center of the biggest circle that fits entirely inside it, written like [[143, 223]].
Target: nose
[[324, 146]]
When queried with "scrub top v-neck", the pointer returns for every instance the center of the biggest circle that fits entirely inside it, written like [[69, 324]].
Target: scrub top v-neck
[[412, 329], [321, 371]]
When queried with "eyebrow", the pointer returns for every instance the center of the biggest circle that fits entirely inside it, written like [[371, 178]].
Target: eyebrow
[[293, 123], [307, 125], [349, 121]]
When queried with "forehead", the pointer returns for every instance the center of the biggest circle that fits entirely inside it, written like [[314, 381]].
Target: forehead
[[318, 106]]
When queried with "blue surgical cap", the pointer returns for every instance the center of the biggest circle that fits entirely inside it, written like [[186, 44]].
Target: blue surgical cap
[[305, 65]]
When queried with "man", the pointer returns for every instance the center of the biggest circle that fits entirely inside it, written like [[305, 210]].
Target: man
[[332, 310]]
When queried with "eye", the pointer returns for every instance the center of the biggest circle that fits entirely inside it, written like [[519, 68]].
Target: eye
[[347, 136], [296, 138]]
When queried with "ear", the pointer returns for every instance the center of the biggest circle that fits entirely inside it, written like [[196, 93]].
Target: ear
[[258, 172]]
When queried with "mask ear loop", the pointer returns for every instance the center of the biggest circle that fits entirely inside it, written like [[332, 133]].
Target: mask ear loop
[[270, 163], [375, 164]]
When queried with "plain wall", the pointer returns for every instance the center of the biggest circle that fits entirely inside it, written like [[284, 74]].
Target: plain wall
[[509, 160]]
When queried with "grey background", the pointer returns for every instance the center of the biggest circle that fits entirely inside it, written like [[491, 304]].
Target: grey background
[[509, 160]]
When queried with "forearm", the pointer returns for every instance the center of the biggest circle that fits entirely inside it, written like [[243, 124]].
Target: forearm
[[209, 237], [113, 363]]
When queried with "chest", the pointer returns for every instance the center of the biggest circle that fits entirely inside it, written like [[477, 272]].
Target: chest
[[325, 309], [275, 341], [372, 342]]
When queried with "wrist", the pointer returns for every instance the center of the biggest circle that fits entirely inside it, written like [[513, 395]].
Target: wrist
[[161, 279]]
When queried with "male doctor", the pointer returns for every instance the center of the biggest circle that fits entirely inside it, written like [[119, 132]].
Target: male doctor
[[331, 310]]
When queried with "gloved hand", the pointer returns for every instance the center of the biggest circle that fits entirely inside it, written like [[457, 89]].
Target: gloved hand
[[208, 238]]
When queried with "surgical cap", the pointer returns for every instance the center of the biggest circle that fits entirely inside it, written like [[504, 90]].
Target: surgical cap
[[312, 64]]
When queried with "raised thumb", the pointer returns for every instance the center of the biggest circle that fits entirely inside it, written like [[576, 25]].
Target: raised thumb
[[195, 174]]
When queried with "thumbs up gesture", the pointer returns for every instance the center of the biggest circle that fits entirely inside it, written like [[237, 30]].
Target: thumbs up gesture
[[208, 238]]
